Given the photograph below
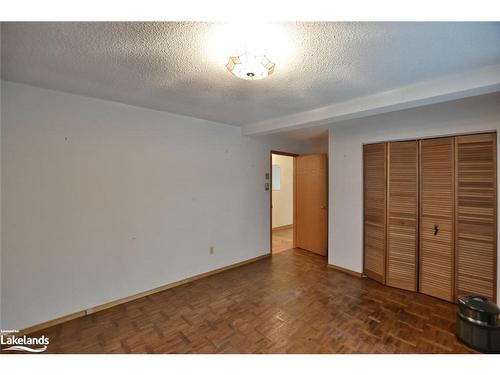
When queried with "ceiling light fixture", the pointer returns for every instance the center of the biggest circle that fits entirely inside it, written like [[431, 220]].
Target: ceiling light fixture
[[250, 66], [249, 50]]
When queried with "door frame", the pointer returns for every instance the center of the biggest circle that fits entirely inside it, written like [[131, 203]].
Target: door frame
[[282, 153]]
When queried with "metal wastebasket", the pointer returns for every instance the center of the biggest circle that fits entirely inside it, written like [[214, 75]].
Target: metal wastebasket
[[478, 323]]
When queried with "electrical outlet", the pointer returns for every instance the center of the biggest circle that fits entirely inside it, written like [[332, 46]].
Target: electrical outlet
[[211, 250]]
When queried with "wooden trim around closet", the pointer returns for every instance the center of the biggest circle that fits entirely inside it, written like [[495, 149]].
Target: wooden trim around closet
[[345, 270]]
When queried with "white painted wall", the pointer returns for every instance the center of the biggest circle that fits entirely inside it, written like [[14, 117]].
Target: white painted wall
[[103, 200], [283, 198], [471, 115]]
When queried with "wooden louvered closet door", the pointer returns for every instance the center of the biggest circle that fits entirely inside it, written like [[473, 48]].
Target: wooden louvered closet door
[[375, 181], [436, 218], [476, 215], [402, 211]]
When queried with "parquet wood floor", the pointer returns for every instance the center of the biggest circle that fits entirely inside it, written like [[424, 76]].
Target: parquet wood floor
[[290, 303], [282, 240]]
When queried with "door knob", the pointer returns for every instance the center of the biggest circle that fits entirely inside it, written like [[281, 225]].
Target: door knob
[[323, 207]]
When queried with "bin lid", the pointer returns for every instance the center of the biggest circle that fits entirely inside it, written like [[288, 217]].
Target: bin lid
[[479, 303]]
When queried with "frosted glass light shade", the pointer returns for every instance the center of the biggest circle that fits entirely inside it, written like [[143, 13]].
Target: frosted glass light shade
[[250, 66]]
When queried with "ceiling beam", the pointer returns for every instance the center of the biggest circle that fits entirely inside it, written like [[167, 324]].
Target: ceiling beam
[[458, 86]]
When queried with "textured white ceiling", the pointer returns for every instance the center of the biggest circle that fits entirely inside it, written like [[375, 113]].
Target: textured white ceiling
[[167, 66]]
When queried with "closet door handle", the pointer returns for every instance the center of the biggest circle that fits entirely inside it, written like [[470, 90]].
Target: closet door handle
[[436, 229]]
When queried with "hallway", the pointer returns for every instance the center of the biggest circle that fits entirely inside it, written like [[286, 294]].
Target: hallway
[[282, 239]]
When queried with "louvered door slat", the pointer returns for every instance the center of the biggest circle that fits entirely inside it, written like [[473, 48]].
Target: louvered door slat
[[476, 215], [374, 156], [436, 218], [402, 210]]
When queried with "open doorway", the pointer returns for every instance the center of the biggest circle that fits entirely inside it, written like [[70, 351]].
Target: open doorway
[[299, 202], [282, 201]]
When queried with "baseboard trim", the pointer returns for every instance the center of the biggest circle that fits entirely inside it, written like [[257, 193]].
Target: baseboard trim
[[92, 310], [289, 226], [345, 270]]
